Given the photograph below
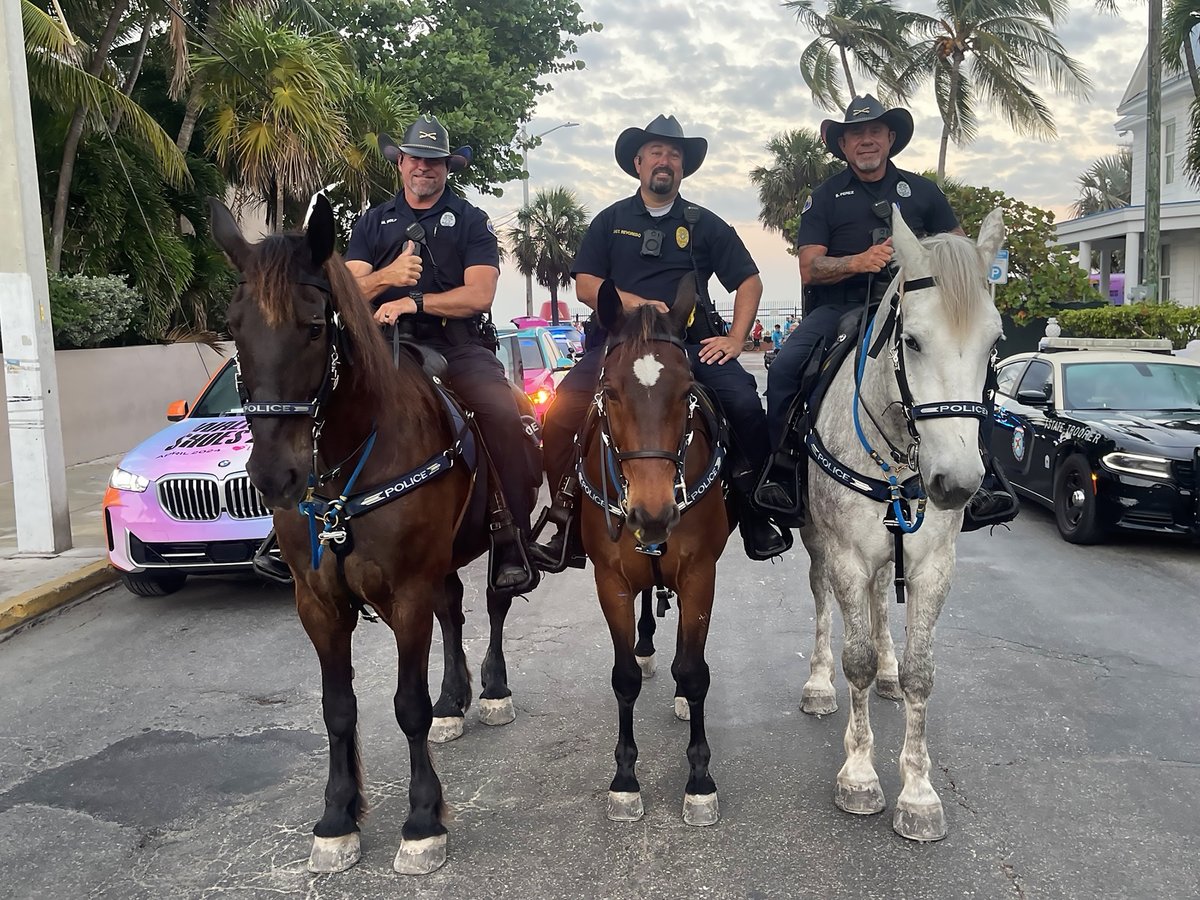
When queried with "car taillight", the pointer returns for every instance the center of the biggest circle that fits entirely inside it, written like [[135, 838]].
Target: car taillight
[[540, 397]]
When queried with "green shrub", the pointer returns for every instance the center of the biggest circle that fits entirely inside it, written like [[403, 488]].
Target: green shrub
[[1137, 320], [90, 310]]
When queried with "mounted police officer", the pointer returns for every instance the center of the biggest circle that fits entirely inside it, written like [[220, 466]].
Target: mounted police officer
[[845, 250], [645, 244], [437, 283]]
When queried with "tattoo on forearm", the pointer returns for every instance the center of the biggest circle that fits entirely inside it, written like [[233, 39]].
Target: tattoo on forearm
[[830, 269]]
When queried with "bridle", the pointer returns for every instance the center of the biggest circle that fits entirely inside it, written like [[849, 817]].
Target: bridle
[[611, 466], [891, 333]]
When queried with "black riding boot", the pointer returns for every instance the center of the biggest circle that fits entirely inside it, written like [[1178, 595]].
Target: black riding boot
[[762, 537], [780, 489], [509, 568], [564, 547], [268, 565], [994, 503]]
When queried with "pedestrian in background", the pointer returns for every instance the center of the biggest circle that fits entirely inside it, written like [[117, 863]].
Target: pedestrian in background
[[756, 334]]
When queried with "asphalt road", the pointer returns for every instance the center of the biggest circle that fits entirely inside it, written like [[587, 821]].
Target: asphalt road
[[174, 747]]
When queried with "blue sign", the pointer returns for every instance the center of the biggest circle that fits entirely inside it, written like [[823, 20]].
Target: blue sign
[[998, 273]]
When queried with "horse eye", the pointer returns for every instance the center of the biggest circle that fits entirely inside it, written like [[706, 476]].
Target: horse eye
[[315, 331], [912, 343]]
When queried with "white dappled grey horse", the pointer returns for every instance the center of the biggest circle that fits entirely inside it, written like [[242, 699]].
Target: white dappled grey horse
[[940, 343]]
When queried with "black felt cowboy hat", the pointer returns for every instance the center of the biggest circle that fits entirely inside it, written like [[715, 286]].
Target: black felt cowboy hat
[[427, 139], [666, 128], [868, 109]]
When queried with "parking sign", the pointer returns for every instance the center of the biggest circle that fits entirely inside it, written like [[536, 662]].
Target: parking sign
[[998, 273]]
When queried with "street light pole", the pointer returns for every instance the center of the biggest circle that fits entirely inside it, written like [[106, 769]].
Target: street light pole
[[526, 145]]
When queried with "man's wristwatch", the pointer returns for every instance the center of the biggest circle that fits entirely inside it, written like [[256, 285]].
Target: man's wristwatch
[[419, 299]]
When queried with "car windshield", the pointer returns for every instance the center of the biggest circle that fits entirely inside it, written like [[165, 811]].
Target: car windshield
[[221, 398], [531, 355], [1131, 385]]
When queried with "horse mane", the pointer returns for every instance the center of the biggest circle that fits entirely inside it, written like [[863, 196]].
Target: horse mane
[[278, 262], [954, 261], [640, 327]]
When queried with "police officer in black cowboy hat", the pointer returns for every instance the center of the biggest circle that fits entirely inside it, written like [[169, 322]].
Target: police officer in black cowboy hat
[[646, 243], [845, 251], [440, 289]]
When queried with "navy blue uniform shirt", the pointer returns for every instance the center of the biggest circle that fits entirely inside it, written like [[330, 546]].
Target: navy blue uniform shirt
[[839, 216], [612, 248], [458, 236]]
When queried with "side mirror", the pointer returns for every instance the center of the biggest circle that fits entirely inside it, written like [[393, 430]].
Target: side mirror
[[563, 363], [1034, 398], [177, 410]]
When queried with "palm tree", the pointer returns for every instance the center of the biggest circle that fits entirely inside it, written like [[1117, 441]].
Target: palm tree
[[873, 32], [1178, 25], [58, 77], [548, 232], [799, 162], [1105, 184], [1010, 45], [277, 120]]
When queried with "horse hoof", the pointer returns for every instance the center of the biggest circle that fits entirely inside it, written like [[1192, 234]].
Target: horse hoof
[[625, 806], [889, 689], [818, 703], [700, 809], [496, 712], [334, 854], [422, 856], [859, 799], [682, 711], [445, 729], [920, 823], [647, 665]]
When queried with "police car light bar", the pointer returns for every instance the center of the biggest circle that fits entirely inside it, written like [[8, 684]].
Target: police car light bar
[[1148, 345]]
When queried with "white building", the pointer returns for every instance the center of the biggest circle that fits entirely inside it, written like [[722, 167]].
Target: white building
[[1121, 229]]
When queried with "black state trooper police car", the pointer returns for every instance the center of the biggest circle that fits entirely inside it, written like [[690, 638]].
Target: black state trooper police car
[[1105, 438]]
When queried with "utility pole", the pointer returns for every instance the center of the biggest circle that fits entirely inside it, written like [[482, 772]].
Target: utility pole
[[1153, 149], [30, 377]]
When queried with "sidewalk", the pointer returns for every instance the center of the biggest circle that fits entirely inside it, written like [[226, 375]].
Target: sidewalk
[[29, 585]]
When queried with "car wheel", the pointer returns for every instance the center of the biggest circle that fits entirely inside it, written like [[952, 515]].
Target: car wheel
[[153, 584], [1076, 511]]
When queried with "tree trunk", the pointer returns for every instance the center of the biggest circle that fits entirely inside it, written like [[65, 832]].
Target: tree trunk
[[194, 105], [846, 70], [135, 70], [74, 136], [948, 116], [1151, 231], [278, 229], [554, 303], [1190, 56]]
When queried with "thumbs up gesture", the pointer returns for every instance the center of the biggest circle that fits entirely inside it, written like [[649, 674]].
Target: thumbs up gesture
[[405, 269]]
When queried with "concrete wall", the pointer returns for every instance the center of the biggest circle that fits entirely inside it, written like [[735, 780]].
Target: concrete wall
[[113, 399]]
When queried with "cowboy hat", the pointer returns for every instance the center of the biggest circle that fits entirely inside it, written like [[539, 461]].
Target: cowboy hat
[[868, 109], [427, 139], [665, 127]]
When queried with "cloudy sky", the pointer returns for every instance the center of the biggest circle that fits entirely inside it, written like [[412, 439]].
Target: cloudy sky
[[727, 70]]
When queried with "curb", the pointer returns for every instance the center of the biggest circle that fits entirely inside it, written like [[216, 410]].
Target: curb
[[45, 597]]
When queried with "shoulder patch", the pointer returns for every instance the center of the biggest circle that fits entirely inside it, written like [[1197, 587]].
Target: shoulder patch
[[490, 227], [807, 205]]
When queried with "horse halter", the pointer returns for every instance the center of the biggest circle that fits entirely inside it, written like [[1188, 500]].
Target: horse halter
[[892, 331]]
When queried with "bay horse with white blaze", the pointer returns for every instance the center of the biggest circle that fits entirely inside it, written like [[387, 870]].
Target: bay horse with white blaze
[[654, 514], [910, 417], [335, 425]]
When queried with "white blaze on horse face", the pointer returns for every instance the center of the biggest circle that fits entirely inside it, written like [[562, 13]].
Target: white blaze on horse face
[[647, 369]]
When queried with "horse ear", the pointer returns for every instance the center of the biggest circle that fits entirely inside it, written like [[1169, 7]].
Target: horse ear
[[991, 236], [320, 231], [609, 307], [226, 233], [904, 242], [684, 305]]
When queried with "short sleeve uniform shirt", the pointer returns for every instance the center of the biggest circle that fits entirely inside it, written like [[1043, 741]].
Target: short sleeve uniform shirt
[[840, 216], [457, 234]]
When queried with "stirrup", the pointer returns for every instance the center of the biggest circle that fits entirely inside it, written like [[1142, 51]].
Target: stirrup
[[270, 567], [508, 535], [546, 556], [782, 473]]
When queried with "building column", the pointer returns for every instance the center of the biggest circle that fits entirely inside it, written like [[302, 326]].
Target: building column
[[1133, 258], [1105, 267], [1085, 256]]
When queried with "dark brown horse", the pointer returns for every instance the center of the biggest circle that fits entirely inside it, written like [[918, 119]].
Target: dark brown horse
[[655, 515], [328, 407]]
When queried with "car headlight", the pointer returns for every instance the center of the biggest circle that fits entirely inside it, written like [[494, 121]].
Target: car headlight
[[124, 480], [1137, 464]]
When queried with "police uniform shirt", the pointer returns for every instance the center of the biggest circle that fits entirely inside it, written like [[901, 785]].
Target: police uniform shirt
[[839, 216], [612, 248], [457, 234]]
